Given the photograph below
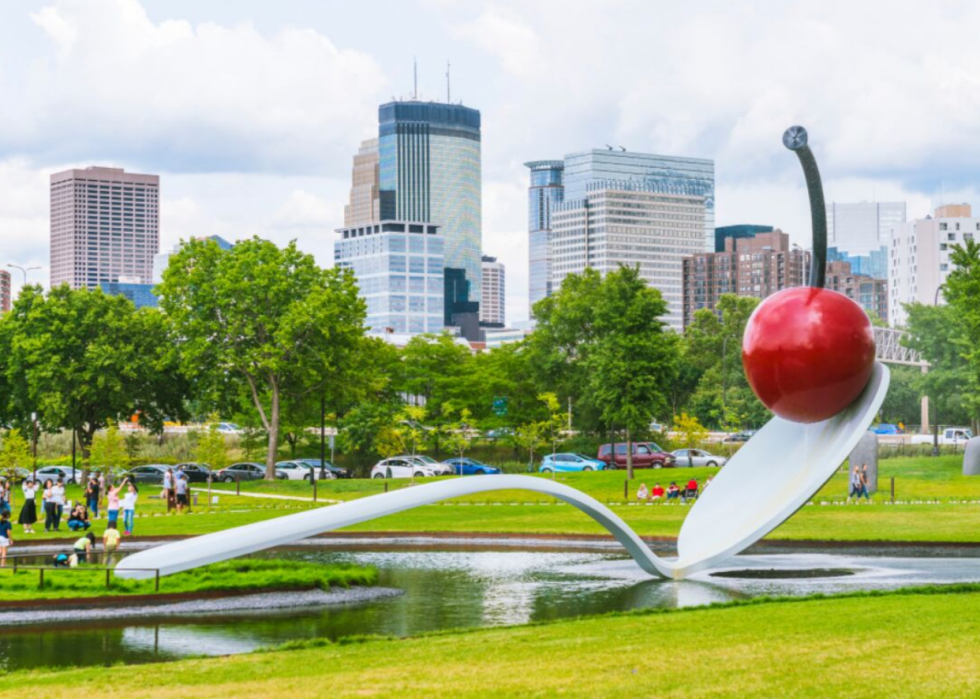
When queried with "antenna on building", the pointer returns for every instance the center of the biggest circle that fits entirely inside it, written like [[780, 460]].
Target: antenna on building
[[415, 70], [448, 93]]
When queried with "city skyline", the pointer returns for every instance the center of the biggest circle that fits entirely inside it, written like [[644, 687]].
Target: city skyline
[[260, 153]]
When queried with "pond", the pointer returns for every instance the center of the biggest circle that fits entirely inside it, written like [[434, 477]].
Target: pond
[[446, 588]]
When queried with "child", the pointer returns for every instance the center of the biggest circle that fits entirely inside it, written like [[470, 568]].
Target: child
[[110, 542]]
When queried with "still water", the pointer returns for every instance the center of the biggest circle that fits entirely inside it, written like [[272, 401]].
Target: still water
[[452, 589]]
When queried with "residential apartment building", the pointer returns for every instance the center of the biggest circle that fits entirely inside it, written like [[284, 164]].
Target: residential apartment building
[[6, 296], [399, 266], [919, 257], [757, 266], [741, 230], [105, 224], [617, 225], [870, 293], [493, 302]]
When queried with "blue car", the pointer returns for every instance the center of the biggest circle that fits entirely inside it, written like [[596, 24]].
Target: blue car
[[470, 467], [563, 463]]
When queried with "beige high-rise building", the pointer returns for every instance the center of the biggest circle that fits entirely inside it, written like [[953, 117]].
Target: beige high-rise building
[[493, 301], [4, 291], [364, 207], [105, 224]]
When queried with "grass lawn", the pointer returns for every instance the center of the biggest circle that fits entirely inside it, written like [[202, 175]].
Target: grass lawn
[[230, 575], [915, 644]]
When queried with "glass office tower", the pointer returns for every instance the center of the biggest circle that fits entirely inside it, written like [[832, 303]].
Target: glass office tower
[[601, 168], [430, 171], [546, 190]]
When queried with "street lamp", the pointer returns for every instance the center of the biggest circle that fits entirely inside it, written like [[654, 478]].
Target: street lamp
[[24, 270]]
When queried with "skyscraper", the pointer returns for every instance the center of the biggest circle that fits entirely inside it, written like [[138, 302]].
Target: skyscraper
[[430, 171], [364, 206], [862, 228], [105, 224], [545, 191], [627, 224], [493, 302], [5, 292]]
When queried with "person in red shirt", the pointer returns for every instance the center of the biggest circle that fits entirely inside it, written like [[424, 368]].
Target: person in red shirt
[[692, 484], [657, 493]]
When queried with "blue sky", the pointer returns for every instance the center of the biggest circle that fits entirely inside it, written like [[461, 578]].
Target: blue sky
[[251, 110]]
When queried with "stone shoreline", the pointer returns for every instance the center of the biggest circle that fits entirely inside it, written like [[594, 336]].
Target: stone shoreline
[[244, 604]]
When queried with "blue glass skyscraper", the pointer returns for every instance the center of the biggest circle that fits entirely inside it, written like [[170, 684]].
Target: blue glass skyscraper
[[429, 171], [546, 189]]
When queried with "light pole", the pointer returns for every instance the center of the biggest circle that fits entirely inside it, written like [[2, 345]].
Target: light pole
[[23, 270]]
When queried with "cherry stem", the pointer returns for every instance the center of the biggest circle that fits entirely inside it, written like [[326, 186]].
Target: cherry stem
[[795, 138]]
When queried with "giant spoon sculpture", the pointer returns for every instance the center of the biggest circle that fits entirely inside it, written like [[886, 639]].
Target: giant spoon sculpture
[[809, 356]]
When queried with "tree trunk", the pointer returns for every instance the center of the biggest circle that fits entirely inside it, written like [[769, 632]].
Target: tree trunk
[[629, 454], [270, 457]]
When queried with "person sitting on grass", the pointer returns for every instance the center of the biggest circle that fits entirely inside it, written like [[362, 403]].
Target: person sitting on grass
[[643, 493], [83, 547], [78, 519], [673, 492], [657, 493], [6, 536]]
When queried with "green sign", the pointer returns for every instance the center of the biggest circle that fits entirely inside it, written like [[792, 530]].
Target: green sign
[[500, 406]]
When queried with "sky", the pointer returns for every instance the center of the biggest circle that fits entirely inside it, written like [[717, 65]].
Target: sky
[[250, 111]]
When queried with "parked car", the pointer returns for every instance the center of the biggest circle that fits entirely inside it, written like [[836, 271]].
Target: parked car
[[337, 471], [440, 469], [300, 471], [737, 437], [470, 467], [195, 472], [698, 457], [645, 455], [886, 428], [950, 435], [69, 475], [402, 467], [150, 473], [19, 475], [229, 428], [567, 463], [246, 471]]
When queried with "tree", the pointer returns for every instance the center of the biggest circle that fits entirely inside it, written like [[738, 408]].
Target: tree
[[556, 422], [962, 289], [459, 435], [211, 446], [80, 359], [692, 433], [16, 453], [264, 315], [108, 451], [530, 437], [436, 370], [633, 358]]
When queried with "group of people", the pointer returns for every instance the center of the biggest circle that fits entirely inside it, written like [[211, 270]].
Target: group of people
[[176, 489], [859, 483], [118, 498], [672, 492]]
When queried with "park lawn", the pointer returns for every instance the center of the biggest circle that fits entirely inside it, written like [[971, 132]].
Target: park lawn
[[238, 575], [920, 644]]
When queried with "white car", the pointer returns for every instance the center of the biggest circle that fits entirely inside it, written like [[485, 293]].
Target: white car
[[402, 467], [299, 471], [65, 472], [441, 469], [698, 457], [229, 428]]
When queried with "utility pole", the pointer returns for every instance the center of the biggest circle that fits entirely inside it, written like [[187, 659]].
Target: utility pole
[[34, 441], [569, 415]]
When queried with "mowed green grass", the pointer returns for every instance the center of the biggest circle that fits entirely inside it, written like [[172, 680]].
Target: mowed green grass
[[236, 575], [901, 645]]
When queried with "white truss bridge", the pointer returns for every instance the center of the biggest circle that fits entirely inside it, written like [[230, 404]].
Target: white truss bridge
[[889, 349]]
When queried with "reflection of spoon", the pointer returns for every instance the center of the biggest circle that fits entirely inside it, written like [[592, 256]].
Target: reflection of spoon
[[769, 478]]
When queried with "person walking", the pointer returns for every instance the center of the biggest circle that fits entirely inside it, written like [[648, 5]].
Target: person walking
[[92, 496], [855, 491], [129, 509], [181, 488], [28, 513], [864, 483], [6, 536]]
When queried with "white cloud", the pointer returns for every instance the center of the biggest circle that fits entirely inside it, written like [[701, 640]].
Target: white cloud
[[185, 97]]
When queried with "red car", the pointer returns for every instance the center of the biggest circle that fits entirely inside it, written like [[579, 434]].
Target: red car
[[645, 455]]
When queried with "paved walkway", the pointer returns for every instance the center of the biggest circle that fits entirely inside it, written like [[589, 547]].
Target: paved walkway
[[267, 496]]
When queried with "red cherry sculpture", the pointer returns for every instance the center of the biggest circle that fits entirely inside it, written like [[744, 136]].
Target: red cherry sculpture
[[808, 353]]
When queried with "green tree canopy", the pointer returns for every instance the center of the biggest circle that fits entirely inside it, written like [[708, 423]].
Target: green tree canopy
[[80, 359], [962, 292], [265, 316]]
